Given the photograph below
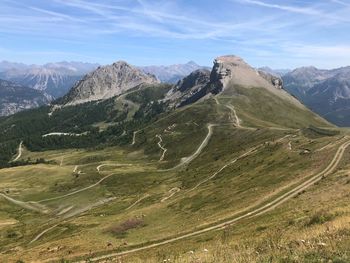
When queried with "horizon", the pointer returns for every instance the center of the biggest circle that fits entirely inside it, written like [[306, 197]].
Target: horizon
[[144, 32]]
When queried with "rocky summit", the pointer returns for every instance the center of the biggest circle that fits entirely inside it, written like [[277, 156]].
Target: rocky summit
[[227, 71], [106, 82]]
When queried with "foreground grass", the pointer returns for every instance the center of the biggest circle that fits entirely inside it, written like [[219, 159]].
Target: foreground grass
[[85, 223]]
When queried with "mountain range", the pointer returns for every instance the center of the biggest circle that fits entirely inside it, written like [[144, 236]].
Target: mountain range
[[323, 91], [15, 98], [326, 92], [54, 79], [224, 164], [172, 73]]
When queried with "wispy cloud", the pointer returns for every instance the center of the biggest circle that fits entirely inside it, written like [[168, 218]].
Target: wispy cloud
[[298, 10], [309, 11], [159, 29], [341, 2]]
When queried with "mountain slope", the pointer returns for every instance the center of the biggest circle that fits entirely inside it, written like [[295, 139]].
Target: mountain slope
[[324, 91], [107, 82], [172, 73], [257, 95], [15, 98], [238, 164]]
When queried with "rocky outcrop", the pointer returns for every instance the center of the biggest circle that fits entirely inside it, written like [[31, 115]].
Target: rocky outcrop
[[15, 98], [227, 72], [276, 81], [190, 88], [106, 82]]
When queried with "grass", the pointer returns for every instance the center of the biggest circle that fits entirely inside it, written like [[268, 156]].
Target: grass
[[100, 216]]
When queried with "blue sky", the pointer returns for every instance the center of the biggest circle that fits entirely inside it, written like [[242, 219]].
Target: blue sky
[[280, 34]]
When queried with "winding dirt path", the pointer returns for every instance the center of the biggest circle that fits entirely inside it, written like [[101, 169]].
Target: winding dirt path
[[164, 150], [98, 168], [253, 213], [236, 120], [19, 154], [187, 160], [77, 191]]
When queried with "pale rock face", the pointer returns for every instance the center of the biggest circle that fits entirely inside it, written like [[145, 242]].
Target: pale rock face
[[276, 81], [233, 69], [227, 72], [106, 82]]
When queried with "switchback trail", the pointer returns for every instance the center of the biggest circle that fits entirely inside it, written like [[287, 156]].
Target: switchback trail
[[237, 121], [164, 150], [253, 213], [19, 154]]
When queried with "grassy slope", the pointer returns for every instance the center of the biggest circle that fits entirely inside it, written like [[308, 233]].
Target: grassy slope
[[245, 183]]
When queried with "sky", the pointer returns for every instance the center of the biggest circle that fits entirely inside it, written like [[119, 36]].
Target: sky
[[279, 34]]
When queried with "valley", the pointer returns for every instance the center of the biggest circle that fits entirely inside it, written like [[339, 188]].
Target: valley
[[228, 171]]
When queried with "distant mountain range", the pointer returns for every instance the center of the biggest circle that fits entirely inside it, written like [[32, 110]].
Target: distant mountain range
[[327, 92], [54, 79], [173, 73], [15, 98], [275, 72]]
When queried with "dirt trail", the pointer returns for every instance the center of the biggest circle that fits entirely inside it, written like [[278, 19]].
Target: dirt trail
[[134, 137], [237, 121], [72, 214], [137, 201], [164, 150], [77, 191], [247, 153], [19, 154], [190, 158], [172, 192], [33, 206], [42, 233], [253, 213], [98, 168]]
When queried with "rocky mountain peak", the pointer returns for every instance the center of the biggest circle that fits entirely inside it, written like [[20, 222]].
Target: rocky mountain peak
[[233, 69], [106, 82]]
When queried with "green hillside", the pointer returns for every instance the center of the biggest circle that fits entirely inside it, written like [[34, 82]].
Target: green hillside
[[216, 180]]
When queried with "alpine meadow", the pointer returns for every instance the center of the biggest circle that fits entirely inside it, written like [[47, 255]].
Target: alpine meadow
[[139, 156]]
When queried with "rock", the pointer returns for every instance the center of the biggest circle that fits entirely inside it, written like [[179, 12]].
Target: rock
[[276, 81], [106, 82], [190, 89]]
